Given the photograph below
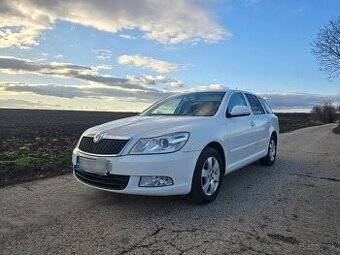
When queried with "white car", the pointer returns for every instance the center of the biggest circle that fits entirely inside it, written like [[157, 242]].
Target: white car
[[183, 144]]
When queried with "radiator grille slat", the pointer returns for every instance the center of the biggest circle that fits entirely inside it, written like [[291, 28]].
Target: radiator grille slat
[[103, 147]]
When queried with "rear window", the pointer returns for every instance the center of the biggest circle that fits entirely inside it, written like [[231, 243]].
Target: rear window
[[266, 106], [255, 104]]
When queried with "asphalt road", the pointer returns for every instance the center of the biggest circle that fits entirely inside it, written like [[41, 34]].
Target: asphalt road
[[290, 208]]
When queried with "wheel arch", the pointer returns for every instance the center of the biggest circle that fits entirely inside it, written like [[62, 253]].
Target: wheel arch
[[217, 146], [274, 134]]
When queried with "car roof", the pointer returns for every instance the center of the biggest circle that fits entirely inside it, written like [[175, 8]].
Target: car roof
[[227, 91]]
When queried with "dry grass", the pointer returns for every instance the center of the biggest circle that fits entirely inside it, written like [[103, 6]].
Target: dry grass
[[292, 121], [337, 130]]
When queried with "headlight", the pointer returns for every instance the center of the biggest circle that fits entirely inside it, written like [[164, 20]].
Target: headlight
[[162, 144]]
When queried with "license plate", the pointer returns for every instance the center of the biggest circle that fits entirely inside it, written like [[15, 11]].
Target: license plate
[[95, 166]]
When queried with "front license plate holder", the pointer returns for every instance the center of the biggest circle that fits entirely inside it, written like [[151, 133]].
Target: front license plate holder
[[94, 166]]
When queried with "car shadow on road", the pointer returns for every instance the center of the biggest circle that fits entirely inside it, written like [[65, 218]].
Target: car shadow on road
[[240, 194]]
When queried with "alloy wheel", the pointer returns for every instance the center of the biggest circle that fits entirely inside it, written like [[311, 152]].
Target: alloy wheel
[[272, 150], [210, 176]]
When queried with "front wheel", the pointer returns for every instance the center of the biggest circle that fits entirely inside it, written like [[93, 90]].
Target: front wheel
[[269, 159], [207, 177]]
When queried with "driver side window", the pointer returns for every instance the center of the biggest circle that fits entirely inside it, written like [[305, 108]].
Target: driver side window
[[236, 98]]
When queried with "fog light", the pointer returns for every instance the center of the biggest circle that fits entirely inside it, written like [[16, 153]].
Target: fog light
[[155, 181]]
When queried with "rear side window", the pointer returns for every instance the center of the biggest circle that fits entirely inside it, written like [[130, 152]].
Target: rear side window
[[255, 104], [236, 98], [266, 106]]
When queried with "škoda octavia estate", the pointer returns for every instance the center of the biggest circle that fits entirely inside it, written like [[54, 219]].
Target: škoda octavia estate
[[183, 144]]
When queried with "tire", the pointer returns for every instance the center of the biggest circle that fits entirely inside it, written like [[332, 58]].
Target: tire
[[270, 158], [208, 176]]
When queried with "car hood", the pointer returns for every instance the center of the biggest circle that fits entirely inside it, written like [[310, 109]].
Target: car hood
[[146, 126]]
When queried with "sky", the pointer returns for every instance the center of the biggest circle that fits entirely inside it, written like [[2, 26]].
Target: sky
[[124, 55]]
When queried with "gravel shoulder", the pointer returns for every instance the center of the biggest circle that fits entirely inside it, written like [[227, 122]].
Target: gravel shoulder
[[290, 208]]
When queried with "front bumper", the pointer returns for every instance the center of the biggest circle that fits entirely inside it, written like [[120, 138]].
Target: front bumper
[[178, 165]]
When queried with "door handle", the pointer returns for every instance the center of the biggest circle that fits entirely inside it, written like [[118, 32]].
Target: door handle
[[252, 123]]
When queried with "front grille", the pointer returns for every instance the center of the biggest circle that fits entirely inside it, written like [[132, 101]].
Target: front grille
[[111, 181], [103, 147]]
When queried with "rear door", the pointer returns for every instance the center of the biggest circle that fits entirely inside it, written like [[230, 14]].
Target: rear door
[[260, 123], [240, 136]]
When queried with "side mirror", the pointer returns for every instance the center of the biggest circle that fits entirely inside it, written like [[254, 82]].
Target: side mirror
[[239, 110]]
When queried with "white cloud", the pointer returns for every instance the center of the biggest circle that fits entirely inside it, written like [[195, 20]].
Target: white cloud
[[64, 91], [297, 100], [66, 70], [214, 86], [279, 101], [19, 65], [40, 59], [176, 84], [14, 65], [129, 37], [103, 67], [170, 22], [157, 65], [102, 54], [20, 25], [21, 103], [155, 80]]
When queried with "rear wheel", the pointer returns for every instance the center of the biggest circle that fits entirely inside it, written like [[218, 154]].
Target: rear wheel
[[207, 177], [269, 159]]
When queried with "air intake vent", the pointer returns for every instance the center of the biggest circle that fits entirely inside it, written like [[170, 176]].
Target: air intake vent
[[111, 181]]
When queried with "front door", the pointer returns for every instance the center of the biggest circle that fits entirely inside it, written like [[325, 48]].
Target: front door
[[240, 134]]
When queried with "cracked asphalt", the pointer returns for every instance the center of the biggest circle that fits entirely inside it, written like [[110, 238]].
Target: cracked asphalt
[[290, 208]]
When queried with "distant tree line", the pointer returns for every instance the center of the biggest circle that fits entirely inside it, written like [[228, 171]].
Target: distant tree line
[[326, 113]]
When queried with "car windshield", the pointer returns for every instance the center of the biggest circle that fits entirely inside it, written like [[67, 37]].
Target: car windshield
[[194, 104]]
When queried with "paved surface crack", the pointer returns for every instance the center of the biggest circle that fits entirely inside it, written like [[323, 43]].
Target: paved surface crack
[[318, 177], [286, 239]]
